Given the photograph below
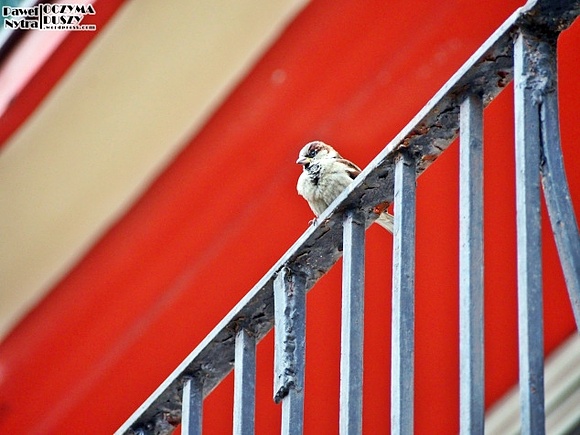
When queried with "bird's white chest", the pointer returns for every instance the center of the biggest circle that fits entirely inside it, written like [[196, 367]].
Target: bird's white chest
[[322, 187]]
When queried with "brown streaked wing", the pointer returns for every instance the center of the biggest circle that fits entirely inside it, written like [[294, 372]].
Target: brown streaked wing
[[352, 169]]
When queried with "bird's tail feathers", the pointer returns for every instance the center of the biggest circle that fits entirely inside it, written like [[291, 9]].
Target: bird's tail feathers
[[386, 220]]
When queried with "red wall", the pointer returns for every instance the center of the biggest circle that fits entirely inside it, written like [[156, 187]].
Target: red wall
[[226, 209]]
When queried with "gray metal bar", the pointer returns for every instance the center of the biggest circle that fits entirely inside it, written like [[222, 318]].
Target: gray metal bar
[[403, 316], [529, 240], [556, 190], [192, 407], [352, 326], [471, 364], [289, 349], [244, 383]]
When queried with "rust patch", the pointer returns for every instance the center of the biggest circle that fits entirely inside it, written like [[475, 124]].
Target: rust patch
[[405, 143], [380, 208], [173, 418], [421, 129], [429, 157]]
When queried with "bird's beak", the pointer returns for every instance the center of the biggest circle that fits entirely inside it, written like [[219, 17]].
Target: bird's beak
[[303, 160]]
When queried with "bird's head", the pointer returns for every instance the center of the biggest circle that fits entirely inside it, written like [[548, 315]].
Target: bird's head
[[315, 151]]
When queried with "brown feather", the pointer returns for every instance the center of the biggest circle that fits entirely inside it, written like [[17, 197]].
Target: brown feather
[[353, 170]]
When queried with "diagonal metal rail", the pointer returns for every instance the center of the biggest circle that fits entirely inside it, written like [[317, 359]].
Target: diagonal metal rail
[[418, 145]]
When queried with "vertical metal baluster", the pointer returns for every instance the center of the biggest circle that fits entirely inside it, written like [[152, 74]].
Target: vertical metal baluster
[[192, 407], [556, 191], [471, 367], [529, 241], [403, 317], [289, 349], [352, 327], [244, 383]]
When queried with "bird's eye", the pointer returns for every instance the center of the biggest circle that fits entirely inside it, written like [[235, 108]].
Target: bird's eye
[[311, 153]]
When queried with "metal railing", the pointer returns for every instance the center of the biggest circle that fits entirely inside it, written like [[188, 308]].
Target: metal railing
[[523, 48]]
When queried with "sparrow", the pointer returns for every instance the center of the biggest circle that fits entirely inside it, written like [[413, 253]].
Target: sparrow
[[325, 175]]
